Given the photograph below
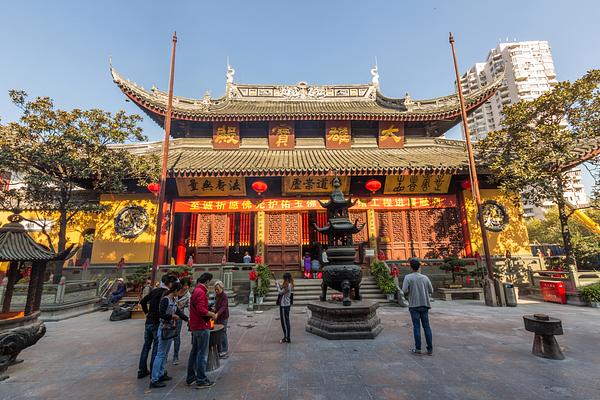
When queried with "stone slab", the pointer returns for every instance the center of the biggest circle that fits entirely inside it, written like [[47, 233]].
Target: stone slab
[[479, 353]]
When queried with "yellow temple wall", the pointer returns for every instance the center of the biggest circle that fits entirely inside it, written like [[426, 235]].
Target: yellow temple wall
[[75, 229], [514, 238], [110, 247]]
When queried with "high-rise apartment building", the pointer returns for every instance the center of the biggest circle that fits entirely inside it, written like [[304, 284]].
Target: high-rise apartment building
[[528, 72]]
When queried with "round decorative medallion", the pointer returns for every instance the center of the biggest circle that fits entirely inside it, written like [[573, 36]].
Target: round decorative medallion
[[131, 221], [495, 216]]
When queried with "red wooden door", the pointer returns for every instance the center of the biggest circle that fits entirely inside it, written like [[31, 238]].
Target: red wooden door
[[283, 241]]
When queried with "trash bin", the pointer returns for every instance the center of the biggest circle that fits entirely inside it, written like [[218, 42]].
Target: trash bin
[[510, 295]]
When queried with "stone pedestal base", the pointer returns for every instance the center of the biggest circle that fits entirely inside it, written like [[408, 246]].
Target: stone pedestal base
[[334, 321]]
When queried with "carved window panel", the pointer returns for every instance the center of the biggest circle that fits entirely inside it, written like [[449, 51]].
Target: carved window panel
[[428, 233], [211, 230], [361, 216]]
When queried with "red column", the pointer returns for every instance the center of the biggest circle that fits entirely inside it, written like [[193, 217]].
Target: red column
[[181, 247], [464, 224]]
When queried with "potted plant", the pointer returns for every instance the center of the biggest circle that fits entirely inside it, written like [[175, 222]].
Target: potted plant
[[457, 267], [264, 282], [389, 289], [591, 294], [138, 278], [384, 279]]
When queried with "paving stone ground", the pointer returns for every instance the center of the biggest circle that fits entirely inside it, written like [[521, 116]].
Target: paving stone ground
[[480, 353]]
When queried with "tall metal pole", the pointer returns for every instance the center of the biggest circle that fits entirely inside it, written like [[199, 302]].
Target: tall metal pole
[[163, 173], [473, 170]]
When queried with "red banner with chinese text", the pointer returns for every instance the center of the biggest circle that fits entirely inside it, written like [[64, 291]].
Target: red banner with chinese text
[[392, 203]]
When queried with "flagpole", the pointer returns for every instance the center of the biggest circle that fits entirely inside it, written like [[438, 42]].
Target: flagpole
[[473, 172], [163, 173]]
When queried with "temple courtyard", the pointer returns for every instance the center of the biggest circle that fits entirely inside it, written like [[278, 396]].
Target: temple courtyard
[[480, 353]]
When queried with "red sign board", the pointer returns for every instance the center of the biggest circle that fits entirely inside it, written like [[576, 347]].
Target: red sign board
[[554, 291], [281, 135], [391, 135], [380, 203], [226, 135], [337, 135]]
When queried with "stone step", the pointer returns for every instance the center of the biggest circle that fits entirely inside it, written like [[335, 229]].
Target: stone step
[[297, 294], [303, 302], [310, 282], [297, 288]]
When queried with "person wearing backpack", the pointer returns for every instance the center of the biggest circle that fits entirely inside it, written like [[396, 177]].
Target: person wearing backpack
[[169, 313], [285, 298], [150, 304]]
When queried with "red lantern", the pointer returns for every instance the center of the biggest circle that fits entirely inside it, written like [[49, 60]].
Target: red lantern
[[259, 187], [373, 185], [154, 188], [466, 184]]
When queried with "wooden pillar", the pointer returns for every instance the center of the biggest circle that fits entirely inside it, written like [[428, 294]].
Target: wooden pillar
[[371, 229], [41, 271], [12, 273], [33, 288], [464, 224], [181, 247], [260, 235]]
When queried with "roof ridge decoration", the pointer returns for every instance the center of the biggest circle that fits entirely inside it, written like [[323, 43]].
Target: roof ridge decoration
[[245, 102], [301, 91]]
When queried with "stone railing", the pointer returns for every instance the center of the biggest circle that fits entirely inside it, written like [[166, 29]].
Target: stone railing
[[517, 268], [55, 294], [229, 273], [521, 270]]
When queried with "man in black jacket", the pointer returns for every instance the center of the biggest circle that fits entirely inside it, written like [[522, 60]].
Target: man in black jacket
[[150, 304]]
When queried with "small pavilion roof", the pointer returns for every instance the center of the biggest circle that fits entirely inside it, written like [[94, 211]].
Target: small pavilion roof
[[17, 245], [302, 101]]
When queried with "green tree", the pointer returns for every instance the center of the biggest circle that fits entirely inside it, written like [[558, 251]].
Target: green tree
[[64, 159], [542, 138], [586, 246]]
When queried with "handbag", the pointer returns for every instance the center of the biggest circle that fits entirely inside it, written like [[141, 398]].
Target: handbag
[[168, 331]]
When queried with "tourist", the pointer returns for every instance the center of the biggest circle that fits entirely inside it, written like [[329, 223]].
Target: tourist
[[315, 266], [169, 314], [182, 300], [307, 265], [222, 311], [324, 258], [118, 293], [199, 324], [285, 293], [419, 289], [146, 289], [247, 258], [150, 304]]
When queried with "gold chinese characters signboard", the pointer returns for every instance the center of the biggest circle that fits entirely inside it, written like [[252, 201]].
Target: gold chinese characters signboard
[[391, 135], [211, 186], [278, 205], [281, 135], [226, 135], [337, 135], [416, 184], [293, 185]]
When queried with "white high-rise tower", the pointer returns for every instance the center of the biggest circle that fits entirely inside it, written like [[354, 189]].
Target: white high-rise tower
[[528, 72]]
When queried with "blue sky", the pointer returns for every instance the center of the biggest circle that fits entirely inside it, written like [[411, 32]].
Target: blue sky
[[61, 48]]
